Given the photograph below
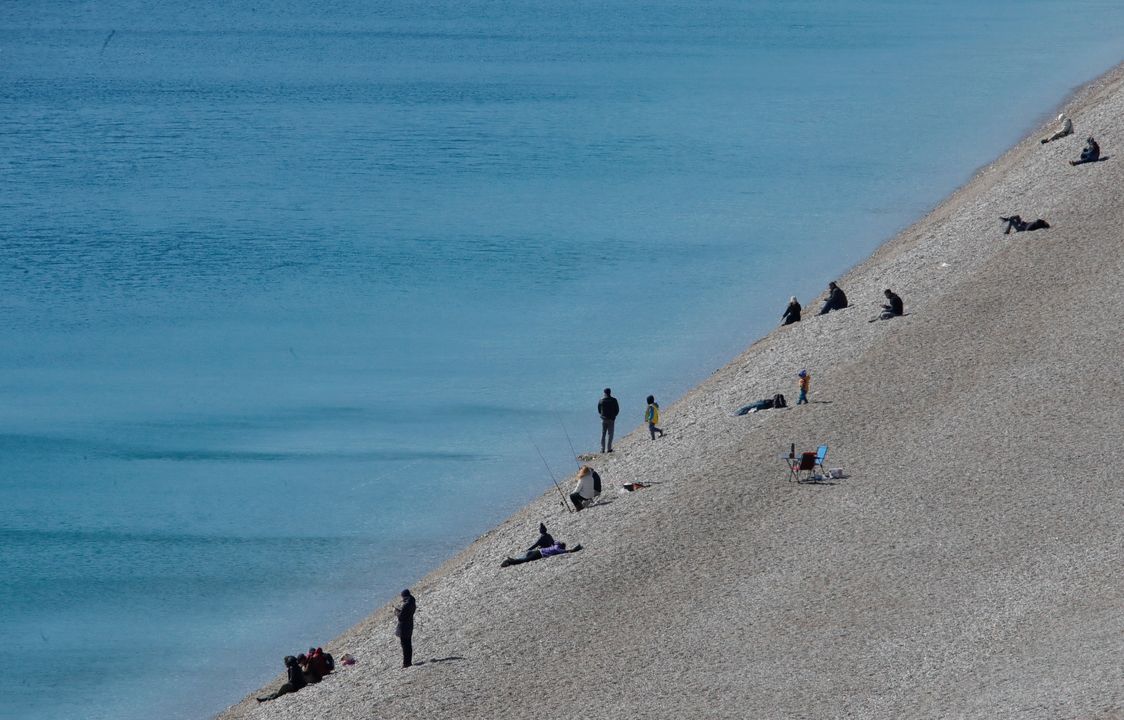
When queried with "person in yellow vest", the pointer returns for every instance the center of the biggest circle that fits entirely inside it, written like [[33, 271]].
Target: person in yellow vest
[[805, 382], [652, 417]]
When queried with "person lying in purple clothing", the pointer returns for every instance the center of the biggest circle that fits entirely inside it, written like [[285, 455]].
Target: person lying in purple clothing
[[539, 553]]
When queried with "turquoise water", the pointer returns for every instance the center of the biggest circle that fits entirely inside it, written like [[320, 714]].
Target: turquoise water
[[288, 293]]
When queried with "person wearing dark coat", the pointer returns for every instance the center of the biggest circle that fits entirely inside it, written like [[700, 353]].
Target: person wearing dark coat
[[295, 680], [545, 539], [792, 312], [836, 299], [608, 408], [319, 665], [311, 676], [1090, 153], [1016, 223], [894, 307], [405, 629]]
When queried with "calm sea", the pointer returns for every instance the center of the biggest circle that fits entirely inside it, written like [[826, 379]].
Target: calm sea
[[290, 291]]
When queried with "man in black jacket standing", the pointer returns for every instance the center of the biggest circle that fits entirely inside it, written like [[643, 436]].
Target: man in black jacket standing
[[608, 409], [405, 629]]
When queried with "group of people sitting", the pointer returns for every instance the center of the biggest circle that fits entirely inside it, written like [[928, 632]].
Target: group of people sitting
[[304, 669], [837, 300], [1090, 153]]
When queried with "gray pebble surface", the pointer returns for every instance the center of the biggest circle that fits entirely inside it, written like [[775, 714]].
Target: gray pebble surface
[[969, 565]]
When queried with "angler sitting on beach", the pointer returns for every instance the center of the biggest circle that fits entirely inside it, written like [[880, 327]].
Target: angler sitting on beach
[[539, 553], [295, 681], [836, 299], [587, 488], [1065, 129], [1091, 152], [792, 312], [1017, 224]]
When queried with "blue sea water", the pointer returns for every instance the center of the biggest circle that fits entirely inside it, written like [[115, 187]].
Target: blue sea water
[[290, 291]]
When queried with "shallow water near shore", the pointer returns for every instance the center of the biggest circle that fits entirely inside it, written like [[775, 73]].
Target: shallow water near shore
[[289, 296]]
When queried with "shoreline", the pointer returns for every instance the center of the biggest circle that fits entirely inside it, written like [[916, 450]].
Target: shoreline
[[724, 590]]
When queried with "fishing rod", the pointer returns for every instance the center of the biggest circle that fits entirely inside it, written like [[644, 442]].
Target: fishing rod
[[568, 440], [556, 485]]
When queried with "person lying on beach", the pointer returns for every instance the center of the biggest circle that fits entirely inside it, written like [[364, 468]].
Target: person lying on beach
[[1091, 152], [539, 553], [587, 488], [1065, 129], [634, 486], [545, 539], [1017, 224], [792, 312], [836, 299], [295, 681], [777, 401]]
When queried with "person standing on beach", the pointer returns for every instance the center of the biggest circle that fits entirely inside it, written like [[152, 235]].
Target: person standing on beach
[[836, 299], [405, 630], [804, 383], [792, 312], [652, 417], [608, 408]]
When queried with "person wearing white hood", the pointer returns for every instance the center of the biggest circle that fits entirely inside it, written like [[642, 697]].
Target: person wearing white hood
[[1065, 129], [587, 488]]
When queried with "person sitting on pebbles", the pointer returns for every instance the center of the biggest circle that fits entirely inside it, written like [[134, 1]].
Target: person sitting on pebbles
[[545, 538], [587, 488], [1064, 130], [295, 682], [1090, 153], [792, 312], [894, 306], [558, 548], [836, 299]]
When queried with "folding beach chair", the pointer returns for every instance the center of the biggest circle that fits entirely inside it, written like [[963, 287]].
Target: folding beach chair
[[807, 465], [821, 455]]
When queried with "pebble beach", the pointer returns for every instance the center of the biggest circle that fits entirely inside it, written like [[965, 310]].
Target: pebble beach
[[967, 564]]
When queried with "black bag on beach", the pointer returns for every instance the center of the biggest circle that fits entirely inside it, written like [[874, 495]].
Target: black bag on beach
[[779, 401], [596, 482]]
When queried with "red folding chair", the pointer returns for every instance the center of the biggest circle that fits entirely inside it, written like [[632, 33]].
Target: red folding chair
[[807, 465]]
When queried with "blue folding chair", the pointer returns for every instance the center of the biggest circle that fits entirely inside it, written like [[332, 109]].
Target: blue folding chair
[[821, 455]]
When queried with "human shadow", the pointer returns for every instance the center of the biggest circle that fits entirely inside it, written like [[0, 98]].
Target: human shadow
[[431, 661], [1086, 162]]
